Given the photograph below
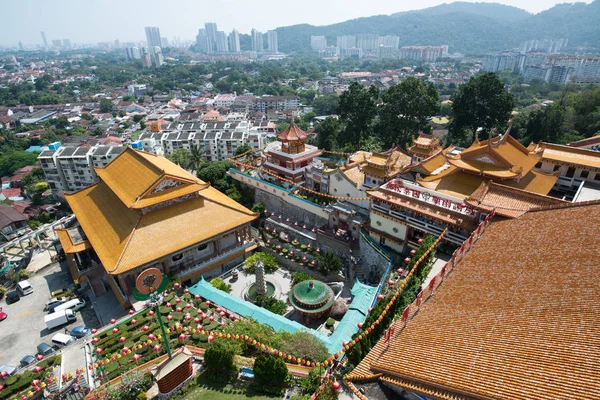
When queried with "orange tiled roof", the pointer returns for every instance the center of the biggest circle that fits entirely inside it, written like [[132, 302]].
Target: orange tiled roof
[[67, 242], [292, 133], [457, 183], [569, 155], [498, 158], [508, 201], [432, 163], [134, 174], [125, 238], [516, 319]]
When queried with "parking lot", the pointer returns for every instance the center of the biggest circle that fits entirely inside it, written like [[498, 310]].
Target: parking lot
[[24, 328]]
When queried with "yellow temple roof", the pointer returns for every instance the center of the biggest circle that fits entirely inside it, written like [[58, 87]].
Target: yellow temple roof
[[125, 238]]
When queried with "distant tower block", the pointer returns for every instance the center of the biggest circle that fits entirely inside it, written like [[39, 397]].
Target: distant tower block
[[261, 287]]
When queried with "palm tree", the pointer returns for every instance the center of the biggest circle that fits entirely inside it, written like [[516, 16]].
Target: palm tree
[[196, 159]]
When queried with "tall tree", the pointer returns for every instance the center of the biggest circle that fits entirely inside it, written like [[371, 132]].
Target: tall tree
[[106, 105], [357, 109], [480, 103], [327, 131], [405, 110], [196, 159]]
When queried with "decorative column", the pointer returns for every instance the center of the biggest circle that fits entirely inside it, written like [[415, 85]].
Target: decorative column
[[261, 287]]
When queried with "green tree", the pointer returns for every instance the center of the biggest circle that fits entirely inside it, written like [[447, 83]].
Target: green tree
[[106, 105], [180, 157], [312, 382], [137, 118], [258, 208], [480, 103], [357, 110], [214, 171], [271, 304], [270, 373], [330, 262], [196, 158], [269, 262], [405, 110], [220, 284], [219, 360], [243, 149], [15, 160], [327, 104], [328, 131]]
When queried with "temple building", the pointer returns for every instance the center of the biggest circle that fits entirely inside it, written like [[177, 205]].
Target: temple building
[[148, 212], [290, 155], [502, 159], [423, 147], [574, 165], [379, 168], [493, 324]]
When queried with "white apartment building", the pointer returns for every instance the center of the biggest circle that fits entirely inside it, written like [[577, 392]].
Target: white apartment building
[[70, 168], [224, 100], [318, 43], [280, 103]]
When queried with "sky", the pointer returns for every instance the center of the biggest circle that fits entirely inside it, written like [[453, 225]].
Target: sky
[[91, 21]]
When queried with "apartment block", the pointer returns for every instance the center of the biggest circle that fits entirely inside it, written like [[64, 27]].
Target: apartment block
[[280, 103]]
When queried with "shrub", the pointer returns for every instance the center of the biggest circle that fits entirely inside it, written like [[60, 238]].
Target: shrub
[[269, 262], [330, 322], [298, 277], [312, 382], [203, 306], [164, 310], [220, 284], [219, 360], [329, 262], [270, 373]]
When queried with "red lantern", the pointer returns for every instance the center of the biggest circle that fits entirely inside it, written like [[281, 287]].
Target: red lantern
[[151, 312], [232, 317], [112, 321], [131, 312], [360, 325], [407, 260], [115, 330], [380, 297], [412, 252], [420, 241], [222, 313], [146, 328], [133, 321], [391, 282], [157, 348], [122, 339], [335, 385], [197, 297], [169, 317], [211, 338], [208, 303], [98, 351], [186, 291], [94, 331], [188, 306], [177, 285], [182, 337], [177, 301]]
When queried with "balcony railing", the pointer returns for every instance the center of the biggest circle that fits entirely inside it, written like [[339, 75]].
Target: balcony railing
[[215, 259]]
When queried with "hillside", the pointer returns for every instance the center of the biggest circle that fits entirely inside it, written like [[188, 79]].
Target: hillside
[[466, 27]]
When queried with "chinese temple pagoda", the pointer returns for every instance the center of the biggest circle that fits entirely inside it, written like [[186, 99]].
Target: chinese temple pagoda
[[423, 147], [290, 155]]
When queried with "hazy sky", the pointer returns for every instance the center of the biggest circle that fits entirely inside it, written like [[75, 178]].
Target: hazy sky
[[90, 21]]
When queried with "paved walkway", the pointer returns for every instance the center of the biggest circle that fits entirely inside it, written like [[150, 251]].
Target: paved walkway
[[438, 264]]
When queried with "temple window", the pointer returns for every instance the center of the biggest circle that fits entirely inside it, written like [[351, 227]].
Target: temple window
[[177, 257], [538, 165], [556, 168], [203, 247], [570, 172], [584, 174]]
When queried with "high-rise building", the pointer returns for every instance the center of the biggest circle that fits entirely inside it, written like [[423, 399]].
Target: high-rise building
[[21, 46], [164, 42], [318, 43], [387, 52], [272, 45], [117, 44], [346, 42], [132, 53], [389, 40], [157, 56], [367, 41], [152, 37], [257, 41], [57, 43], [203, 42], [221, 42], [44, 40], [66, 43], [234, 41], [211, 32]]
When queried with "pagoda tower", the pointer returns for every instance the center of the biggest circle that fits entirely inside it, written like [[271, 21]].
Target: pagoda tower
[[261, 287], [289, 156]]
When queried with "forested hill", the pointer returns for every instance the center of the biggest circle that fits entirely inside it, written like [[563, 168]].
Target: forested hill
[[472, 28]]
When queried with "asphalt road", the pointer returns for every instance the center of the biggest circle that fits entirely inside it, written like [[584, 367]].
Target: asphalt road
[[24, 328]]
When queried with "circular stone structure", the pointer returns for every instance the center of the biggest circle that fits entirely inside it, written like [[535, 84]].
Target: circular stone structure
[[312, 298], [251, 293]]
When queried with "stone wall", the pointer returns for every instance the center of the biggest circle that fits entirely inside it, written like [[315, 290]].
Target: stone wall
[[374, 264], [280, 206]]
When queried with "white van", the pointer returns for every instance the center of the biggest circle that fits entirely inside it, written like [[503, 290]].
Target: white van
[[24, 287], [61, 340], [75, 305]]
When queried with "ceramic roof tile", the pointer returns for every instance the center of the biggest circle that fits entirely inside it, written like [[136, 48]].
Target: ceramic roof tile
[[516, 318], [292, 133]]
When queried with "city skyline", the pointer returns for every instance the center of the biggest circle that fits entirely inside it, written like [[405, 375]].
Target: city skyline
[[228, 14]]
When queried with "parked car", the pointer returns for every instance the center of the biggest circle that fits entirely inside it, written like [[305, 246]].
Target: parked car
[[27, 360], [3, 315], [12, 297], [24, 288], [61, 340], [62, 292], [80, 331], [55, 301], [44, 349], [75, 305], [7, 370]]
